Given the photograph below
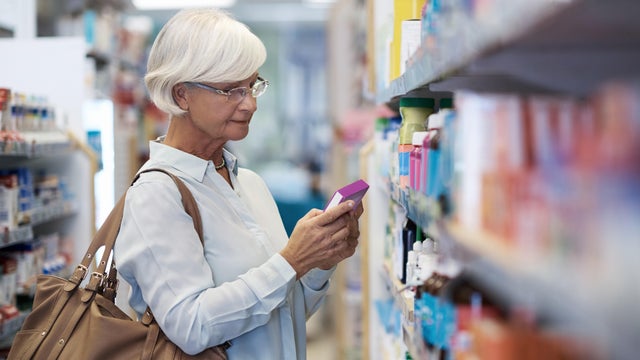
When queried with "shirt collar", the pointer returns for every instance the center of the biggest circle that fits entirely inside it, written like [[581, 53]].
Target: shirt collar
[[231, 160], [185, 162]]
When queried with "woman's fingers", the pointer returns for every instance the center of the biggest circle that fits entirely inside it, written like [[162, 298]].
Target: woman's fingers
[[341, 235], [358, 211], [335, 212], [324, 238], [313, 213]]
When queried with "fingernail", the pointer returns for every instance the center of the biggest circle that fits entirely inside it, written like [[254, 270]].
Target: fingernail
[[350, 203]]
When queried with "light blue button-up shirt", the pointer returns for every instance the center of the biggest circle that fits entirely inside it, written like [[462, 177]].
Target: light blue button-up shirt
[[239, 288]]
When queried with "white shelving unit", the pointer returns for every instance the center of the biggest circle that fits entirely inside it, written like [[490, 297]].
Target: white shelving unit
[[74, 217], [554, 47]]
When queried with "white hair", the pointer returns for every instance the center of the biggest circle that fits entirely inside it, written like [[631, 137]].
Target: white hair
[[200, 45]]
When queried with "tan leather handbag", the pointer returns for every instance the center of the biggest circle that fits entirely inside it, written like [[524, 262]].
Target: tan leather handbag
[[71, 322]]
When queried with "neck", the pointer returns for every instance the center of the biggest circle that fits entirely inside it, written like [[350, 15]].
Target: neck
[[183, 136]]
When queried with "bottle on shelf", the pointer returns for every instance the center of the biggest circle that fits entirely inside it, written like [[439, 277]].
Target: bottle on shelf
[[408, 238], [413, 265], [447, 156], [414, 113], [427, 260], [415, 160], [5, 95]]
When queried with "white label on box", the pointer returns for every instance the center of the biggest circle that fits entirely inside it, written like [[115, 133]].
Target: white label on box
[[410, 41]]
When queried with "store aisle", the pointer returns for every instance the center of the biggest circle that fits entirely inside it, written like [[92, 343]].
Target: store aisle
[[321, 340], [322, 347]]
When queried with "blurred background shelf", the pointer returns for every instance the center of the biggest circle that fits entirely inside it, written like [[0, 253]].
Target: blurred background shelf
[[9, 329], [529, 46]]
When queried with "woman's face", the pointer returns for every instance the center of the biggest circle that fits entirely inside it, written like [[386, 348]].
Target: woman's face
[[219, 116]]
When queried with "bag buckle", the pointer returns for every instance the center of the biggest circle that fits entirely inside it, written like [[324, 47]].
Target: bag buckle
[[78, 274], [76, 278], [110, 284], [95, 282]]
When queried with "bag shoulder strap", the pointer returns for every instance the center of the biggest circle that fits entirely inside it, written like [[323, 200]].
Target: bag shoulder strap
[[190, 206], [108, 232], [188, 201]]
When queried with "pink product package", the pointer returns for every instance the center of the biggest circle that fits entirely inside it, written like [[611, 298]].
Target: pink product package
[[354, 191]]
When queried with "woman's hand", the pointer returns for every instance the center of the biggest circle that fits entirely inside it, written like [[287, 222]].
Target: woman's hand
[[323, 239], [348, 244]]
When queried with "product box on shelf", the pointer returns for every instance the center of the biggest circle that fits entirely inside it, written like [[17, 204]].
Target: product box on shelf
[[9, 195], [9, 280], [402, 10], [28, 125]]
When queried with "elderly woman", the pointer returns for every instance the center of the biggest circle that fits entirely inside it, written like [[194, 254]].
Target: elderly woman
[[251, 284]]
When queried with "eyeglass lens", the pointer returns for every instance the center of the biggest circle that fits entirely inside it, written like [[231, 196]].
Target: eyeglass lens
[[237, 94], [257, 89]]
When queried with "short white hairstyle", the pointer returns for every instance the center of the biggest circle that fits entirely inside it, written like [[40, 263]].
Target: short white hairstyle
[[200, 45]]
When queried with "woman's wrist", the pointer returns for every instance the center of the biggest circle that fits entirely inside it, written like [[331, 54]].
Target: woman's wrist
[[297, 266]]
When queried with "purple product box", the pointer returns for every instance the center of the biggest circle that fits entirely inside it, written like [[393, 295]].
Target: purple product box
[[354, 191]]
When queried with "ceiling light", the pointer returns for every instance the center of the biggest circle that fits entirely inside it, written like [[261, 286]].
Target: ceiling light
[[179, 4]]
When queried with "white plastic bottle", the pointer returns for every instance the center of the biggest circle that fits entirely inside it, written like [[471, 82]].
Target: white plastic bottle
[[427, 260]]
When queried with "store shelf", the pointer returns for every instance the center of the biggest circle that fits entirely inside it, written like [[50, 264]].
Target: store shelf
[[551, 287], [34, 149], [570, 48], [41, 215], [496, 253], [19, 155], [474, 41], [530, 46], [64, 156], [14, 236], [495, 248], [519, 277], [404, 299], [400, 292], [53, 211], [424, 211]]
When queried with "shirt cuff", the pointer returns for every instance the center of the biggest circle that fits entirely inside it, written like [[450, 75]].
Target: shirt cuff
[[272, 279], [316, 279], [283, 267]]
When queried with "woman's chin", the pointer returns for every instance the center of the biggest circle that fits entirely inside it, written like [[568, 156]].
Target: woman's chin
[[239, 135]]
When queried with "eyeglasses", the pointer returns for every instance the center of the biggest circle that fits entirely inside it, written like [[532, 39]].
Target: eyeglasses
[[239, 93]]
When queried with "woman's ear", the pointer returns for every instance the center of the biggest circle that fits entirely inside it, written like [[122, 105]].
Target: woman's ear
[[179, 93]]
